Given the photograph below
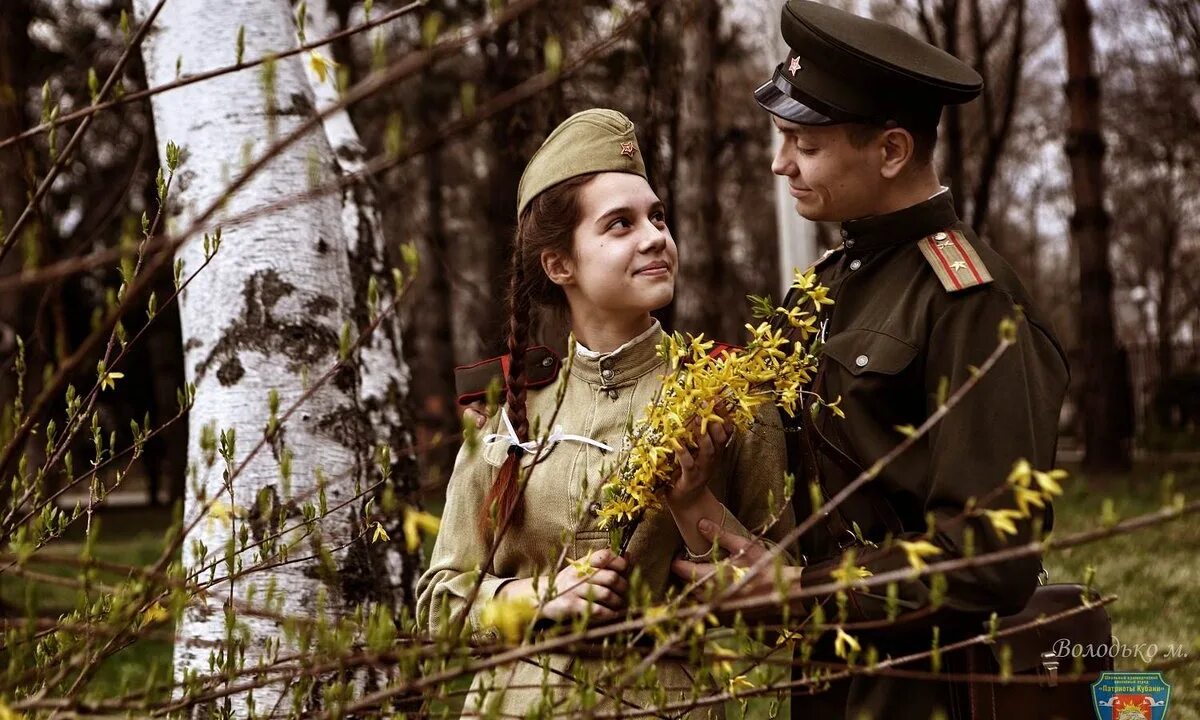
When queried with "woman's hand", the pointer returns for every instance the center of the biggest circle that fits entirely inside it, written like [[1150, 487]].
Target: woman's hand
[[594, 585], [689, 499], [697, 463]]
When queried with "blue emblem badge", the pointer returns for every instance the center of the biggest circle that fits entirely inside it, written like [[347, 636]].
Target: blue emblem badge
[[1131, 696]]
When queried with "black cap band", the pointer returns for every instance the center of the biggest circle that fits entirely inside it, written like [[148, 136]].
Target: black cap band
[[843, 68]]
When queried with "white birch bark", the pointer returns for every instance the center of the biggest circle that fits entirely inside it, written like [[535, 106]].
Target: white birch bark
[[383, 374], [266, 314]]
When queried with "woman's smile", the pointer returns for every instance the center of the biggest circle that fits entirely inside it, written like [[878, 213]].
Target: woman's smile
[[658, 268]]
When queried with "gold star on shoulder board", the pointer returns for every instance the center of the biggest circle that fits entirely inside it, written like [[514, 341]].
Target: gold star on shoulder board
[[958, 265]]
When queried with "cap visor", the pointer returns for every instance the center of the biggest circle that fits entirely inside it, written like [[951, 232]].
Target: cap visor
[[774, 101]]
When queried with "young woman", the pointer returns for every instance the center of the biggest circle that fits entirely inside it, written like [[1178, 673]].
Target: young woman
[[591, 239]]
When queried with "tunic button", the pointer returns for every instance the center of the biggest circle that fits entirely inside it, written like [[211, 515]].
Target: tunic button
[[854, 265], [607, 374], [594, 509], [940, 236], [845, 234], [547, 362], [849, 243], [861, 361], [612, 394]]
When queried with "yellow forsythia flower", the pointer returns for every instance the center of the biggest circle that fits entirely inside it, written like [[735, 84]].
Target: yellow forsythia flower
[[851, 574], [220, 511], [321, 65], [154, 613], [773, 368], [1048, 481], [509, 615], [1026, 498], [738, 683], [1021, 473], [1003, 520], [416, 522], [845, 640], [917, 551]]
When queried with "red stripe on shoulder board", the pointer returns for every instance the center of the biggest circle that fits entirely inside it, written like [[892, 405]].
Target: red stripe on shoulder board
[[958, 244], [945, 264]]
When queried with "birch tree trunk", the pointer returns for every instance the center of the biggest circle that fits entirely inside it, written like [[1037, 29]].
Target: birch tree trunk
[[384, 378], [265, 316]]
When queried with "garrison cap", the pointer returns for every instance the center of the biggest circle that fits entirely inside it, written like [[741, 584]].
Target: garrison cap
[[845, 68], [591, 141]]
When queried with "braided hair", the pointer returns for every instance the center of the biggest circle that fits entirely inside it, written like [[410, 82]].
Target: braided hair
[[547, 224]]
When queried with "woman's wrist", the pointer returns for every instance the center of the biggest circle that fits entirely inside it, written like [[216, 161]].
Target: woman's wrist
[[521, 588], [688, 516]]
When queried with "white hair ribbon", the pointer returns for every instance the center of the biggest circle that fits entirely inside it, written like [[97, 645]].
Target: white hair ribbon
[[532, 446]]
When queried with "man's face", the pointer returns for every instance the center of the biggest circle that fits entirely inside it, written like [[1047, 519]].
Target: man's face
[[830, 179]]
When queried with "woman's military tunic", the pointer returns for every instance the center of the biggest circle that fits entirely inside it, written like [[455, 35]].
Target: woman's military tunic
[[603, 394]]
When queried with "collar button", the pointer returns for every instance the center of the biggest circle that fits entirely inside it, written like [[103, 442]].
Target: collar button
[[850, 243], [606, 374]]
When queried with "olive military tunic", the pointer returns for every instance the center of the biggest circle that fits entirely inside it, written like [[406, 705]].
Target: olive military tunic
[[918, 303], [602, 394]]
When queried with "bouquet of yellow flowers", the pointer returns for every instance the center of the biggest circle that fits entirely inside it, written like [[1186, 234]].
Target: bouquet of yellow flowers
[[700, 388]]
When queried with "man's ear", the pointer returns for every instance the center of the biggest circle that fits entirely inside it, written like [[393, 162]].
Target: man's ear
[[896, 151], [558, 267]]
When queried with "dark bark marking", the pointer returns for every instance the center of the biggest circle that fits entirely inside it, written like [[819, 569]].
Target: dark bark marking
[[348, 426], [230, 372], [321, 305], [303, 341]]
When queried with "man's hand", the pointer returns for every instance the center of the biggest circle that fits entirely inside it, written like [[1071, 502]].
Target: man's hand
[[476, 412], [743, 553]]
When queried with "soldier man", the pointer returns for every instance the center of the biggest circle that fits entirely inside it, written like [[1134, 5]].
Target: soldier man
[[918, 301]]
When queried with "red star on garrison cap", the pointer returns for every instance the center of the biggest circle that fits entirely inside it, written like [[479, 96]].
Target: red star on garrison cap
[[628, 148]]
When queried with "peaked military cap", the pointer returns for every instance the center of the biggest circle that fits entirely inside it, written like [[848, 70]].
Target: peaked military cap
[[591, 141], [846, 68]]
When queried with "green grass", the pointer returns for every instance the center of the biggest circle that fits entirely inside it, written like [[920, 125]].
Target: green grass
[[129, 537], [1155, 572]]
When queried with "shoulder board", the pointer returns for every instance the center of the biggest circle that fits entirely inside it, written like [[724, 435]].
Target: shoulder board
[[954, 261], [719, 348], [471, 382]]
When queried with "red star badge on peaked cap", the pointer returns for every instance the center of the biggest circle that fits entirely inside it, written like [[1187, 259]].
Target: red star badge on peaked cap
[[794, 67]]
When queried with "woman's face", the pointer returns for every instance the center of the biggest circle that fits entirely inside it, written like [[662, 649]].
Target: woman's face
[[624, 259]]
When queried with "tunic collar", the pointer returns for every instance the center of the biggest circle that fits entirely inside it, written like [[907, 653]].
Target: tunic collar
[[903, 226], [622, 366]]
